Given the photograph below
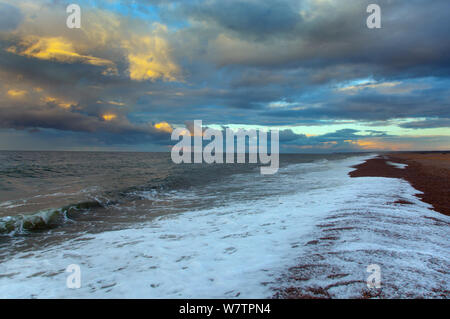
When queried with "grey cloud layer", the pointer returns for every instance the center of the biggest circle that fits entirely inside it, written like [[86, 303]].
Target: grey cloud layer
[[236, 57], [10, 17]]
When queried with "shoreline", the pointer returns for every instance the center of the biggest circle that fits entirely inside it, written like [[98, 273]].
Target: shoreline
[[390, 215], [429, 173]]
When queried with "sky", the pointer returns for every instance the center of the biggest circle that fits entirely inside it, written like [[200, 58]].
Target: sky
[[312, 69]]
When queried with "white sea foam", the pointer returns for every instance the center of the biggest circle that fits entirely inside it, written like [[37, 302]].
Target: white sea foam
[[397, 165], [243, 249]]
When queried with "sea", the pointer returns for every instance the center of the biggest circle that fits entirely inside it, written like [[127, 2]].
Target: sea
[[139, 226]]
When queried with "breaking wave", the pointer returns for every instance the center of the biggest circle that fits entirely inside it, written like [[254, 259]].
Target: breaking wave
[[46, 219]]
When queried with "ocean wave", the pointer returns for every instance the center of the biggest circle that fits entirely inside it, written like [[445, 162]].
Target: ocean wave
[[45, 219]]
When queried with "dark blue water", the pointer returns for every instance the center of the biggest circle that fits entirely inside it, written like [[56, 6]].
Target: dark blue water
[[45, 190]]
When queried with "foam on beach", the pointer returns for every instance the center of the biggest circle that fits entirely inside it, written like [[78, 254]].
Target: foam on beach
[[331, 226], [397, 165]]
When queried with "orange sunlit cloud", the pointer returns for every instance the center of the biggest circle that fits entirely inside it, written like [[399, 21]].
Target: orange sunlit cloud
[[17, 93], [378, 144], [150, 59], [109, 116], [57, 101], [164, 126], [57, 49]]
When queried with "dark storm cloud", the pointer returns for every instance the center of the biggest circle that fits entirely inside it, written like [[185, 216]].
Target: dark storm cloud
[[54, 117], [340, 140], [373, 106], [22, 116], [326, 44], [47, 72], [320, 34], [10, 17], [258, 19], [432, 123], [336, 46]]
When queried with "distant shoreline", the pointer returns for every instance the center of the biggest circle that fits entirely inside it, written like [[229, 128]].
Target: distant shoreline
[[428, 172]]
